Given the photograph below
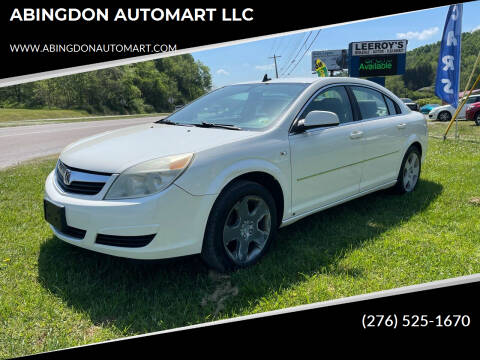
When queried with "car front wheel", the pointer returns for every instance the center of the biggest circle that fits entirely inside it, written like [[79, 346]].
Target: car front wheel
[[241, 226], [409, 171], [477, 119]]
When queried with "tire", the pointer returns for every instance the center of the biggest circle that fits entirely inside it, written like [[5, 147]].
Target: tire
[[444, 116], [410, 170], [477, 118], [241, 227]]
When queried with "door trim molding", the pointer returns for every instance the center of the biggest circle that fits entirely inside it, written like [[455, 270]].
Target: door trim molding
[[338, 202], [341, 167]]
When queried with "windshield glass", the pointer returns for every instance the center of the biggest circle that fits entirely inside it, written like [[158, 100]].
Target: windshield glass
[[405, 100], [249, 106]]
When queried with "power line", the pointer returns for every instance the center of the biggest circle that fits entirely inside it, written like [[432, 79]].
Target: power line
[[292, 60], [300, 49], [292, 50], [298, 62]]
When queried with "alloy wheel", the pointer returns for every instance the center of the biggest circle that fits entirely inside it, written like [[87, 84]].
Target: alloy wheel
[[247, 229], [411, 170]]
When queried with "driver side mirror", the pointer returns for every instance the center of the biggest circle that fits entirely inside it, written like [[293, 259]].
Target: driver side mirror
[[318, 119]]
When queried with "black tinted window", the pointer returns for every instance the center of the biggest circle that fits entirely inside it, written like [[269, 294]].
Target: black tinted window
[[371, 102], [392, 109], [334, 99]]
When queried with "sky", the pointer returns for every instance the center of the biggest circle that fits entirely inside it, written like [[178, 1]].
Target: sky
[[250, 61]]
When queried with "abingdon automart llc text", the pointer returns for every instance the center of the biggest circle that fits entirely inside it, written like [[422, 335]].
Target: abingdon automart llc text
[[131, 14]]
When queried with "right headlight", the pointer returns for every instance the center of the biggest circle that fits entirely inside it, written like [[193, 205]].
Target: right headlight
[[148, 177]]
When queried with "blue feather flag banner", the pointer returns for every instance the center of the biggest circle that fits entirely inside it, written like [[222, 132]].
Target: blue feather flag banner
[[448, 70]]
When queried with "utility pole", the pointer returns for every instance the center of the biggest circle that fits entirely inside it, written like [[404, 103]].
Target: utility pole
[[274, 57]]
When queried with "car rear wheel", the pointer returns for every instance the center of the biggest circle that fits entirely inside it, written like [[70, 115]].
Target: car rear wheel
[[444, 116], [409, 171], [477, 119], [241, 227]]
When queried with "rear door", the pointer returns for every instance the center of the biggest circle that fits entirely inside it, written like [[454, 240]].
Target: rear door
[[385, 132], [326, 161]]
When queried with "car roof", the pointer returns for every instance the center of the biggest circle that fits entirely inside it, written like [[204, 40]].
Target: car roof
[[304, 80], [312, 80]]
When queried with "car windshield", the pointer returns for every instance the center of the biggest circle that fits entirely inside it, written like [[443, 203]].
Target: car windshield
[[246, 106], [405, 100]]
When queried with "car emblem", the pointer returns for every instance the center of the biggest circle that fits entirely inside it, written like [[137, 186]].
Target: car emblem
[[66, 176]]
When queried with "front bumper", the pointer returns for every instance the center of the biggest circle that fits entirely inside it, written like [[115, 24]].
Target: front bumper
[[177, 219]]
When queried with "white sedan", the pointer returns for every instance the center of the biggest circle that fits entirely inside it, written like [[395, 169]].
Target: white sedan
[[221, 175], [446, 112]]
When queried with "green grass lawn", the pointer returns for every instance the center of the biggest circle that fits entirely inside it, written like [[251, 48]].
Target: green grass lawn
[[28, 114], [54, 295], [467, 130], [22, 117]]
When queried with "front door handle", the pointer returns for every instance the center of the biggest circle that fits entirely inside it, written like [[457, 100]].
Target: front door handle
[[401, 126], [356, 134]]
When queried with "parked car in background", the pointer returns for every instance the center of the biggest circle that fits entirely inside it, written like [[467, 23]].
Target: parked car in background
[[425, 109], [473, 113], [410, 103], [446, 112], [221, 175]]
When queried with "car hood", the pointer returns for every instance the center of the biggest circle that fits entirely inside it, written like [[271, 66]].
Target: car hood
[[117, 150], [443, 107]]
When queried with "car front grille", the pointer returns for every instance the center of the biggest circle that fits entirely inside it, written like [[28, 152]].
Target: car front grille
[[124, 241], [82, 182]]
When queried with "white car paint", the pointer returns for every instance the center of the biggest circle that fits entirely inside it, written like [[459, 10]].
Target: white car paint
[[433, 115], [315, 169]]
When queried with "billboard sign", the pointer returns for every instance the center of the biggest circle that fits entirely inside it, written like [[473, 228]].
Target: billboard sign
[[334, 59], [382, 47], [377, 58]]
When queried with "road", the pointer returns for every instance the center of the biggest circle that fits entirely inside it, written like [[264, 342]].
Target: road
[[21, 143]]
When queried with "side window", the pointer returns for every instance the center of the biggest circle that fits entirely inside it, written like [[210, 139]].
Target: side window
[[392, 109], [334, 99], [370, 102], [473, 99]]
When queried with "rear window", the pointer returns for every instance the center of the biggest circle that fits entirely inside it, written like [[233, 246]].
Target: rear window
[[371, 102], [392, 106]]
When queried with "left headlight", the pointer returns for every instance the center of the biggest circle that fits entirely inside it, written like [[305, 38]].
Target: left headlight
[[148, 177]]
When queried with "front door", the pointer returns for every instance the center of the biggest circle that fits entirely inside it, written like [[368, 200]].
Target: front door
[[326, 162]]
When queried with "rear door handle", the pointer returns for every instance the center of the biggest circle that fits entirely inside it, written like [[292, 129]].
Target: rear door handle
[[401, 126], [356, 134]]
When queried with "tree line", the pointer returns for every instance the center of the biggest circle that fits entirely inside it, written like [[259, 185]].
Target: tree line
[[421, 68], [152, 86]]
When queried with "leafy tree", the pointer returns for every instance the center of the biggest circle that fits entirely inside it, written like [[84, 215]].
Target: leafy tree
[[142, 87], [421, 67]]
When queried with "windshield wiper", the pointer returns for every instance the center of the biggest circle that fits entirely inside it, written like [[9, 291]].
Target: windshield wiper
[[169, 122], [166, 121], [222, 126]]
